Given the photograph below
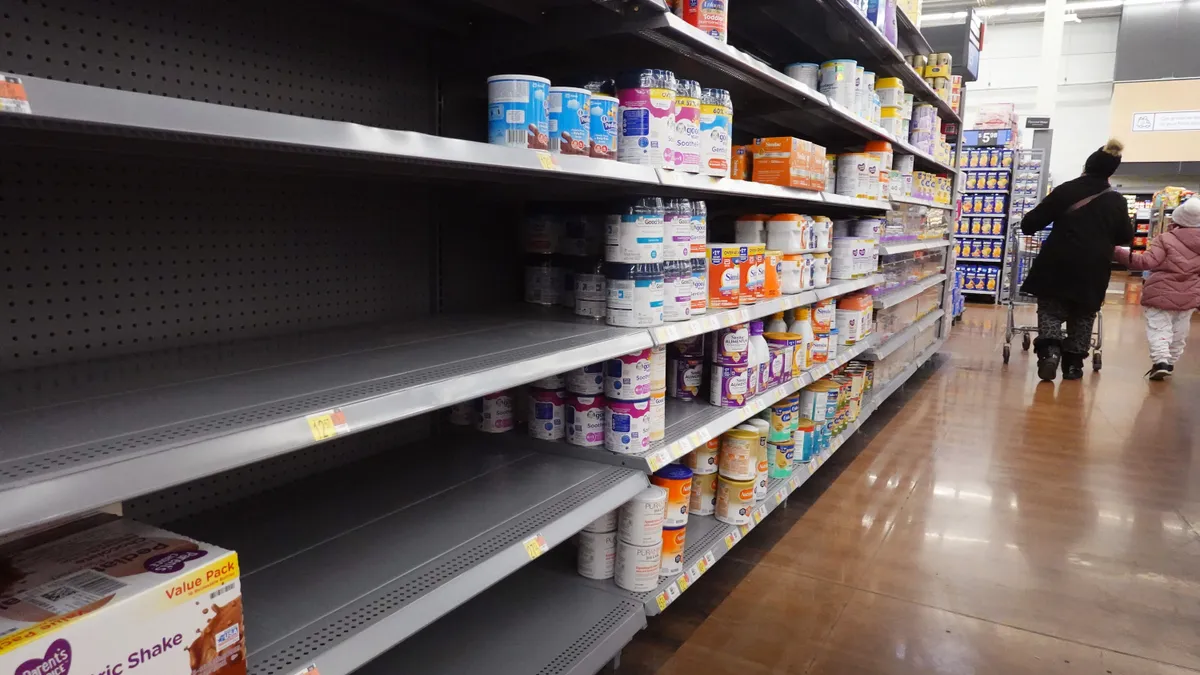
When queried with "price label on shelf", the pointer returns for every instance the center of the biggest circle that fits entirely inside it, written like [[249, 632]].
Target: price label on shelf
[[694, 571], [759, 514], [710, 558], [310, 669], [327, 424], [535, 546], [659, 459], [13, 98], [683, 582], [547, 160], [661, 600], [667, 333], [744, 530], [732, 538], [673, 592], [778, 496]]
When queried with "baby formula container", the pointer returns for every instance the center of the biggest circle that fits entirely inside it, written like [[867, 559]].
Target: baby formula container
[[716, 132], [808, 74], [699, 230], [636, 294], [739, 455], [496, 412], [692, 346], [635, 235], [804, 439], [838, 82], [730, 386], [628, 377], [658, 368], [710, 17], [686, 134], [605, 523], [672, 550], [735, 499], [597, 554], [558, 381], [790, 269], [704, 494], [627, 426], [637, 567], [570, 120], [640, 520], [784, 233], [684, 376], [677, 230], [751, 229], [591, 290], [677, 290], [781, 455], [585, 420], [762, 461], [731, 345], [586, 380], [705, 458], [677, 480], [464, 414], [772, 270], [658, 416], [543, 279], [547, 412], [724, 275], [820, 270], [518, 111], [647, 111], [699, 285], [602, 127]]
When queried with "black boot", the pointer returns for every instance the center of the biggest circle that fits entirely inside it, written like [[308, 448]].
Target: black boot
[[1072, 365], [1159, 371], [1049, 353]]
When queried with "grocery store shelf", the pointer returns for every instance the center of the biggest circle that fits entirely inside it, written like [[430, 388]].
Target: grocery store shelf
[[690, 425], [882, 392], [896, 297], [984, 215], [990, 261], [923, 202], [964, 235], [540, 620], [993, 169], [129, 426], [903, 337], [908, 247], [340, 567], [984, 191], [976, 291], [743, 188], [714, 319], [909, 36]]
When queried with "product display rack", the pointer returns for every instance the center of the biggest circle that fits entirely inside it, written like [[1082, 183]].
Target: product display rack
[[268, 383], [999, 139], [908, 247], [1028, 186], [893, 298], [903, 337]]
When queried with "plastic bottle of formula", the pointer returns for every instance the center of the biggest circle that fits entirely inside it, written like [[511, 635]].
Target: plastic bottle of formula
[[760, 354], [777, 324]]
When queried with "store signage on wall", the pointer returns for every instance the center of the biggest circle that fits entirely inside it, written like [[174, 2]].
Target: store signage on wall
[[1174, 120], [1037, 122]]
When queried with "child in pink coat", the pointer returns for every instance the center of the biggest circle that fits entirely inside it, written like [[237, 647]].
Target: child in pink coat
[[1172, 292]]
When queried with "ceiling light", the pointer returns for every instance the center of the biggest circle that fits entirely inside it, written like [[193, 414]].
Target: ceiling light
[[943, 16], [1072, 18], [1092, 4]]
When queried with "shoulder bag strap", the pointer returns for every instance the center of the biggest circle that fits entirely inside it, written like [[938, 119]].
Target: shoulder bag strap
[[1086, 200]]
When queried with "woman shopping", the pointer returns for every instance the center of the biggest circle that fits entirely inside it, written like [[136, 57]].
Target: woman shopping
[[1070, 275]]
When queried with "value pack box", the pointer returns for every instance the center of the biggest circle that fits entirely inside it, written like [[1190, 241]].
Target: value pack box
[[790, 162], [120, 598]]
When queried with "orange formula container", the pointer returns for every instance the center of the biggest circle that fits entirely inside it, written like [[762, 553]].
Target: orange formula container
[[772, 266], [740, 166], [677, 479], [674, 539], [750, 279], [725, 275]]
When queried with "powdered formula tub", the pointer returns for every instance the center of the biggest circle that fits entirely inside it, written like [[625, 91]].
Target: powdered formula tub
[[496, 412], [605, 523], [704, 459], [735, 499], [636, 294], [637, 567], [640, 520], [547, 414], [704, 494], [676, 479], [629, 377], [597, 554], [586, 380], [518, 111], [673, 544], [627, 426], [585, 420], [570, 120], [602, 127], [739, 456], [684, 377], [647, 113], [730, 386]]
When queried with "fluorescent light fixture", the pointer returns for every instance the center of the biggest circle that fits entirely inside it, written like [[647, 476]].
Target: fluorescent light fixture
[[1029, 9], [943, 16], [1092, 4]]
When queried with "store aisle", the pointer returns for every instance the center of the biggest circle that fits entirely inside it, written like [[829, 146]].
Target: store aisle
[[979, 523]]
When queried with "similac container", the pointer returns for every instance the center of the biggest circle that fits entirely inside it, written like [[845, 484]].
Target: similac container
[[518, 112], [802, 326], [808, 74], [820, 270], [629, 377], [735, 499], [739, 455], [760, 358], [603, 127], [547, 412], [790, 270], [772, 271], [686, 134], [822, 233], [782, 455], [731, 346], [684, 377], [658, 416], [724, 275], [710, 17], [805, 264], [673, 542], [570, 120], [729, 386], [677, 480], [585, 420], [705, 458], [785, 233], [658, 368], [704, 494], [755, 271], [823, 315], [647, 111], [751, 229], [597, 554], [586, 379], [636, 294], [627, 426], [716, 132], [496, 412], [640, 520], [677, 290], [781, 348], [636, 568], [699, 286], [635, 235], [761, 428], [605, 523]]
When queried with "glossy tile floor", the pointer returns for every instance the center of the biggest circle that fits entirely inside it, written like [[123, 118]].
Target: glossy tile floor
[[981, 522]]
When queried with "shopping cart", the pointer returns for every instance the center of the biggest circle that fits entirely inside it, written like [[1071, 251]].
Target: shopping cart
[[1022, 249]]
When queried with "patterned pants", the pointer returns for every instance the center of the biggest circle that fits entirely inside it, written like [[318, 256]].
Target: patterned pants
[[1052, 314]]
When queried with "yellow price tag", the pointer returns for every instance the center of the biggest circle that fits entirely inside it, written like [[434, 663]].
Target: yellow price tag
[[702, 565], [546, 160], [758, 516], [683, 583], [661, 600], [778, 497], [535, 546], [327, 424], [730, 540], [744, 529]]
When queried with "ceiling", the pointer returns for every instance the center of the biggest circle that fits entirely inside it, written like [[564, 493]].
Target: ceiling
[[929, 7]]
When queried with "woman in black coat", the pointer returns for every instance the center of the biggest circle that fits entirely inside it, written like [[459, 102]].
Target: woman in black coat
[[1070, 274]]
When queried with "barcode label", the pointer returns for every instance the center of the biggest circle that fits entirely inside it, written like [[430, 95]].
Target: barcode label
[[76, 592], [517, 137], [95, 583], [227, 588]]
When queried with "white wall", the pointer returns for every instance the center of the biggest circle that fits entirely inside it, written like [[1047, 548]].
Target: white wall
[[1008, 73]]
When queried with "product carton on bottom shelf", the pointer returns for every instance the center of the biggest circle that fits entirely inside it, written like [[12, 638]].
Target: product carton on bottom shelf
[[120, 598]]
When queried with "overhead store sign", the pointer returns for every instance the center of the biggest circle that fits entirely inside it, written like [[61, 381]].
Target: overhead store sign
[[1037, 122], [1175, 120]]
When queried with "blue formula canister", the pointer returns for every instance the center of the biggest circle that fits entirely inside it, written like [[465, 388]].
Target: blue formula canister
[[518, 111], [603, 127], [635, 294], [570, 113]]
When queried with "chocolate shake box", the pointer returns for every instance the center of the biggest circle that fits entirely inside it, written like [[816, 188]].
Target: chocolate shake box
[[120, 598]]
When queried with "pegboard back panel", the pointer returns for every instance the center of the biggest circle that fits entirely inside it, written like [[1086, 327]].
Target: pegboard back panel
[[328, 60], [103, 256]]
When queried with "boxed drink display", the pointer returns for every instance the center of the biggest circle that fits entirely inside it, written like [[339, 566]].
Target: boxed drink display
[[790, 162], [120, 598]]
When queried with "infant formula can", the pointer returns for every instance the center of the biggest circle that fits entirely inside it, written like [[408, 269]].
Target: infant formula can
[[496, 412], [585, 420], [464, 414], [518, 113], [635, 294], [704, 459], [605, 523], [546, 414], [812, 401], [838, 83], [704, 494], [647, 112], [677, 229], [691, 346], [762, 463], [635, 235], [735, 499], [677, 290], [716, 131], [640, 520], [755, 271], [782, 454], [602, 127], [637, 567], [781, 423], [739, 455], [772, 270], [543, 279], [731, 346], [730, 386], [786, 343], [658, 416], [558, 381], [684, 377], [804, 440], [854, 175], [628, 377], [586, 380], [808, 74], [699, 285], [793, 404], [710, 16], [724, 275], [699, 230], [673, 542], [686, 134], [591, 291], [570, 120], [778, 369], [597, 554], [627, 426], [658, 368], [677, 480]]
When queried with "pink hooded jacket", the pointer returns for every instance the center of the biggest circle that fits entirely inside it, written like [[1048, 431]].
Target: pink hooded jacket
[[1173, 261]]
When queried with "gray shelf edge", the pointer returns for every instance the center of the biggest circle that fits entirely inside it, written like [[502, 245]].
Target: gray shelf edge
[[665, 453], [922, 202], [889, 249], [897, 297], [903, 337]]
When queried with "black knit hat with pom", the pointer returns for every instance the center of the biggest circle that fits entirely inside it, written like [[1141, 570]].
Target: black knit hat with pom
[[1104, 162]]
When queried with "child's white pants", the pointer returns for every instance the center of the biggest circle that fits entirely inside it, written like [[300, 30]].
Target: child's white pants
[[1167, 332]]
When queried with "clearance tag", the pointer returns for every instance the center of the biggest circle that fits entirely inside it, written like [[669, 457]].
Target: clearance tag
[[547, 160], [662, 601], [327, 424], [535, 546], [12, 95]]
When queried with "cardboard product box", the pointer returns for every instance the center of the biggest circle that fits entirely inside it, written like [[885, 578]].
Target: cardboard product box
[[120, 598], [790, 162]]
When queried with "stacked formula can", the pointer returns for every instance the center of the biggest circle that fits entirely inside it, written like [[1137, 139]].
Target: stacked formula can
[[627, 410], [633, 251], [585, 406], [638, 544]]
